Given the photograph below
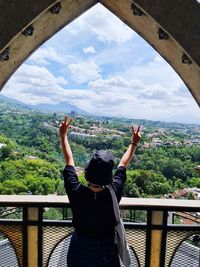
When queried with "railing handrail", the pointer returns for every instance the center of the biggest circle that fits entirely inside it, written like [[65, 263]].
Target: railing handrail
[[34, 236], [136, 203]]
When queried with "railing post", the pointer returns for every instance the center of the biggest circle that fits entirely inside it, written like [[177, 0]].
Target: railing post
[[32, 236], [156, 239]]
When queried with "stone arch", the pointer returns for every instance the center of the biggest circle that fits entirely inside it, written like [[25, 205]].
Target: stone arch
[[171, 27]]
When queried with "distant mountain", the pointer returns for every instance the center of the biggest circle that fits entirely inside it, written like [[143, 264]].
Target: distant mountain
[[7, 99], [60, 107], [13, 102]]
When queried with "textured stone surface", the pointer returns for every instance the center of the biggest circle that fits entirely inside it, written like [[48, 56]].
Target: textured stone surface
[[180, 19], [16, 15]]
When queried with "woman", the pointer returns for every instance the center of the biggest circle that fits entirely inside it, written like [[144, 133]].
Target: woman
[[92, 243]]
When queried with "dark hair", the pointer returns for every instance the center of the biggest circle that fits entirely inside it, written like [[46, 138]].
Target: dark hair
[[99, 169]]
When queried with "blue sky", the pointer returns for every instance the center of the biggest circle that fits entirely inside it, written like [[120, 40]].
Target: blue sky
[[100, 65]]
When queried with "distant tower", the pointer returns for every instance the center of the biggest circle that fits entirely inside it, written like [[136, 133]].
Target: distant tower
[[73, 113]]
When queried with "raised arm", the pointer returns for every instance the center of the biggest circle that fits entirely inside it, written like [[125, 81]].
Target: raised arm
[[67, 152], [130, 152]]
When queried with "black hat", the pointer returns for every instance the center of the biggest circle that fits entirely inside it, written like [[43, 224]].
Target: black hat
[[99, 169]]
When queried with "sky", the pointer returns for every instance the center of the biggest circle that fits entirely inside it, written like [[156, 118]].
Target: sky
[[103, 67]]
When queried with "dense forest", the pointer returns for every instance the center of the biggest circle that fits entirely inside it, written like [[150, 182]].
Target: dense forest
[[31, 161]]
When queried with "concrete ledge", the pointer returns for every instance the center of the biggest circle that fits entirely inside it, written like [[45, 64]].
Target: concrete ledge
[[145, 203]]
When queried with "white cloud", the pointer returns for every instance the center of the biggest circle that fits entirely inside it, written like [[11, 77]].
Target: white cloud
[[119, 97], [102, 84], [156, 71], [34, 84], [136, 88], [105, 25], [84, 72], [89, 49], [114, 96], [156, 61], [44, 55]]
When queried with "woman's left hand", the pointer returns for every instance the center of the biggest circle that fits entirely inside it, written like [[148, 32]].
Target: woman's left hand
[[135, 135]]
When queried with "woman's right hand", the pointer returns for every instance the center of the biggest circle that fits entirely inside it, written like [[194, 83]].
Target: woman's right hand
[[64, 126]]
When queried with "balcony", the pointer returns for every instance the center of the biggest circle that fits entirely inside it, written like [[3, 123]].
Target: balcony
[[160, 232]]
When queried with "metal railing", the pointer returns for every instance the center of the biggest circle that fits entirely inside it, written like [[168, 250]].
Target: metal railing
[[37, 234]]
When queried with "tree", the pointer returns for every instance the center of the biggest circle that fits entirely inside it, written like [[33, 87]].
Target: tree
[[194, 182], [16, 186], [5, 152], [174, 168], [53, 214], [148, 183]]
